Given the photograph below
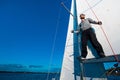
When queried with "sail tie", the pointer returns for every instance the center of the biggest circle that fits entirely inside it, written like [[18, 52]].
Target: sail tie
[[116, 57]]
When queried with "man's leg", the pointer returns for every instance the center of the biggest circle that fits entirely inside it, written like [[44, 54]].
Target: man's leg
[[96, 44], [84, 40]]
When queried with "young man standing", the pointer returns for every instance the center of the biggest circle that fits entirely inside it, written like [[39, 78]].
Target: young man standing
[[88, 34]]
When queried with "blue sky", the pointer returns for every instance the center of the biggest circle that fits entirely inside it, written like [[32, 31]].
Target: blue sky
[[27, 31]]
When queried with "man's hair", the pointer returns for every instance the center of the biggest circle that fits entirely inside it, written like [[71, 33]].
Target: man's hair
[[82, 14]]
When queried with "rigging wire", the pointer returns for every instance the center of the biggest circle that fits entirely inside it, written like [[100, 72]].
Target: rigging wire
[[92, 6], [67, 41], [116, 57], [53, 46], [66, 8]]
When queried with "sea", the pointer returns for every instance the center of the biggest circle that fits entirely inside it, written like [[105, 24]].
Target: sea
[[38, 76], [29, 76]]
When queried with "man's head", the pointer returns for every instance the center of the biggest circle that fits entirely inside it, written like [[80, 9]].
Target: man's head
[[82, 16]]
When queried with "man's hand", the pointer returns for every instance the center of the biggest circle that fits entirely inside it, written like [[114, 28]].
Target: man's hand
[[72, 31], [99, 23]]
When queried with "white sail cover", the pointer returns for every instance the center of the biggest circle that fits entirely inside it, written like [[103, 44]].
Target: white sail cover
[[107, 11]]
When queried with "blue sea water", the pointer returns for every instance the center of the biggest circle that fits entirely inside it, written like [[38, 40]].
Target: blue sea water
[[29, 76], [114, 78], [37, 76]]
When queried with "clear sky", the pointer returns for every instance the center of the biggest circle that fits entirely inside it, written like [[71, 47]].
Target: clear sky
[[28, 29]]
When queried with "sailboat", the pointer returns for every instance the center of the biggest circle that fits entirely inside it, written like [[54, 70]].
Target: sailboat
[[107, 11]]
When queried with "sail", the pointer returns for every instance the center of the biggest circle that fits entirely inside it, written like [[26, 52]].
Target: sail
[[68, 62], [106, 11]]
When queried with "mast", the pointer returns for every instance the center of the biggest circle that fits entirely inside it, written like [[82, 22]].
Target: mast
[[76, 45]]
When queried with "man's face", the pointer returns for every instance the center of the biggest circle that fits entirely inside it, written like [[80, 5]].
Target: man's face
[[82, 16]]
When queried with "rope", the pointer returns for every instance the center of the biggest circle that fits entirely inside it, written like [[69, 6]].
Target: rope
[[66, 8], [56, 33], [53, 47], [116, 57], [92, 6]]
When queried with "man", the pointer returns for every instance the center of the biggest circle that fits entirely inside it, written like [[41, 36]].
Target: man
[[88, 34]]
